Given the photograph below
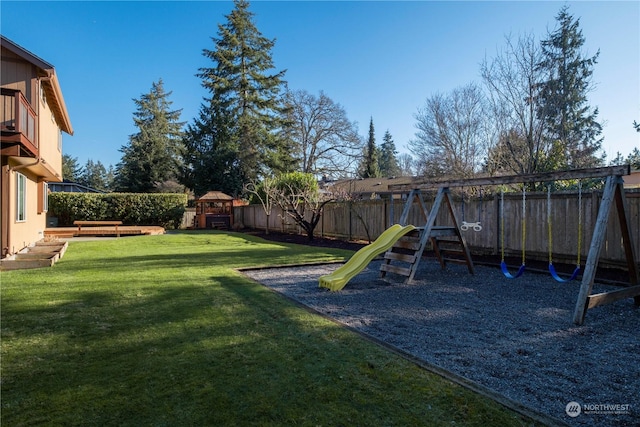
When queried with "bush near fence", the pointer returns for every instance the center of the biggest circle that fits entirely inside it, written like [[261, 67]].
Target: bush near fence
[[165, 210], [352, 221]]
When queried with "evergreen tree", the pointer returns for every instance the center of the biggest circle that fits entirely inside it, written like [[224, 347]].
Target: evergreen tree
[[570, 124], [388, 163], [71, 169], [211, 155], [151, 156], [94, 175], [369, 168], [633, 158], [617, 160], [244, 98]]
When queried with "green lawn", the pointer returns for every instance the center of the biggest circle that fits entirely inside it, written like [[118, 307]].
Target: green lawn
[[160, 330]]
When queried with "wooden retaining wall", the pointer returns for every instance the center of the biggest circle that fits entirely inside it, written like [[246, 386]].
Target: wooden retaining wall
[[366, 220]]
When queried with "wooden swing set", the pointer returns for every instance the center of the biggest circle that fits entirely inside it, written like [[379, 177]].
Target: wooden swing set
[[449, 244]]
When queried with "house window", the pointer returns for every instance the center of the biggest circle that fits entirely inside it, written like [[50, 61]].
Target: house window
[[43, 97], [21, 198], [43, 197]]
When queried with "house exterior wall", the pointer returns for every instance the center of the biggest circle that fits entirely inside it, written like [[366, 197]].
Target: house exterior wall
[[36, 80], [25, 233], [19, 74], [49, 137]]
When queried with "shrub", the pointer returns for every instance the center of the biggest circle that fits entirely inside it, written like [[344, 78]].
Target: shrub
[[165, 210]]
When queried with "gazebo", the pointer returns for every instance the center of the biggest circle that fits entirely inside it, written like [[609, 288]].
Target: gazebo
[[214, 210]]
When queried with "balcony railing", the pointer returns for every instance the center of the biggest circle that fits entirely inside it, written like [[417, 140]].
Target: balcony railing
[[18, 119]]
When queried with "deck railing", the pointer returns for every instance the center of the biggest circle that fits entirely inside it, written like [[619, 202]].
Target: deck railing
[[17, 117]]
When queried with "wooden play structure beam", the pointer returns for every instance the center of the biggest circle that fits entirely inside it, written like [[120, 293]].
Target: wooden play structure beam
[[517, 179], [613, 193]]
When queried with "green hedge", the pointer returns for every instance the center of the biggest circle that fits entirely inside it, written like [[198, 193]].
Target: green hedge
[[165, 210]]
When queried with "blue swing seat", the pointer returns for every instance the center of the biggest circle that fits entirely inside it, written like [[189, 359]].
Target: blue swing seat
[[555, 275], [508, 275]]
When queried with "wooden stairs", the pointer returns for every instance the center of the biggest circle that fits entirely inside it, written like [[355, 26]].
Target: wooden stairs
[[42, 254]]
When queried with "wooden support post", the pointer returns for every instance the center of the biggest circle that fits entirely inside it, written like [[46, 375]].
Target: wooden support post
[[463, 242], [627, 241], [594, 251], [613, 191], [426, 233]]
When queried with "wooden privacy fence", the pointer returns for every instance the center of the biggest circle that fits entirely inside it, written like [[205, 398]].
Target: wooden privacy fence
[[366, 220]]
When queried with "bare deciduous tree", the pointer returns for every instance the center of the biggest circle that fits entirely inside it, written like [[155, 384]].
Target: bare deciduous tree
[[513, 80], [452, 133], [406, 164], [266, 193], [327, 143], [298, 197]]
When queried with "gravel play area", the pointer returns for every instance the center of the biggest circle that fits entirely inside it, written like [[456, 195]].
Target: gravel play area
[[514, 337]]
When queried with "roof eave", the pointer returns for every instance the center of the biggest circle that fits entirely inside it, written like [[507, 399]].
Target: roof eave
[[48, 77]]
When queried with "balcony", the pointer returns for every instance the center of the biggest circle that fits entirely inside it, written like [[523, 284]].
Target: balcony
[[18, 124]]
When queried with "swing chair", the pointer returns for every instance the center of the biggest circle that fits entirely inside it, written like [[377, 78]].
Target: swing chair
[[552, 269], [503, 264]]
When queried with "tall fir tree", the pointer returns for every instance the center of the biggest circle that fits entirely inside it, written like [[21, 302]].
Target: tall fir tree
[[387, 161], [246, 99], [71, 169], [95, 175], [571, 125], [211, 155], [369, 168], [151, 157]]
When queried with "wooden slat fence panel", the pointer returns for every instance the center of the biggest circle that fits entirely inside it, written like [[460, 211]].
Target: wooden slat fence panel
[[340, 220]]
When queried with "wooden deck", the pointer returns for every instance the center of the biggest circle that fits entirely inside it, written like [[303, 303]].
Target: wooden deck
[[123, 230]]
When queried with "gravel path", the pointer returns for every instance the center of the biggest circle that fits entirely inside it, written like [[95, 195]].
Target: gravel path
[[515, 337]]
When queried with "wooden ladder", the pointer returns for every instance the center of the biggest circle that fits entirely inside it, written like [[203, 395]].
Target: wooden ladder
[[448, 243], [449, 246]]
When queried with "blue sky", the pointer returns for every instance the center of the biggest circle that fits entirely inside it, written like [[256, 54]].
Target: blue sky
[[377, 59]]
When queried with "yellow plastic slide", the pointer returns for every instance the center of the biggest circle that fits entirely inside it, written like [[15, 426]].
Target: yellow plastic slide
[[339, 278]]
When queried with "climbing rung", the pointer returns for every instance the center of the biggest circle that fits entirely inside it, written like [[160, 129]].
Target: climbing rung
[[414, 246], [394, 269], [400, 257], [442, 231], [452, 251]]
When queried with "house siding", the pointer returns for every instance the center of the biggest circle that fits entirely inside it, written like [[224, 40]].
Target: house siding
[[22, 71], [31, 230], [49, 133], [20, 75]]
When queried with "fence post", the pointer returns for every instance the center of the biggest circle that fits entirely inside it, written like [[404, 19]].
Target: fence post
[[350, 204]]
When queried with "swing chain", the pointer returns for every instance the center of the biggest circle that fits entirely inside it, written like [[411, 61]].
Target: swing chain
[[524, 223], [579, 221], [549, 226]]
